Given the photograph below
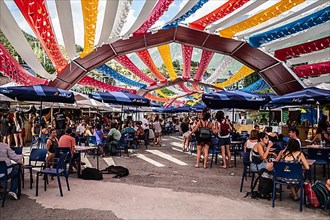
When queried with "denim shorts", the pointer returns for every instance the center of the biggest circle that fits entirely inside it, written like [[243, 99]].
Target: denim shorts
[[224, 141], [260, 166]]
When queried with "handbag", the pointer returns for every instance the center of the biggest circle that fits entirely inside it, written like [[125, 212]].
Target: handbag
[[256, 159]]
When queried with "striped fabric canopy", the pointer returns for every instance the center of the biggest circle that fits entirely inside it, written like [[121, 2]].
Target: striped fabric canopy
[[38, 93], [121, 98], [234, 99]]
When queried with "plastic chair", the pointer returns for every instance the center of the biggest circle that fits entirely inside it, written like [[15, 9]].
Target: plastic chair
[[123, 144], [288, 171], [214, 149], [58, 171], [34, 140], [246, 169], [42, 140], [4, 170], [321, 158], [36, 155]]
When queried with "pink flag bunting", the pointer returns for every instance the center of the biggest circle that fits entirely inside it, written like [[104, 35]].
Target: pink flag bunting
[[91, 82], [204, 62], [157, 12], [304, 48], [146, 58], [314, 69], [186, 59], [13, 70], [36, 14], [126, 62]]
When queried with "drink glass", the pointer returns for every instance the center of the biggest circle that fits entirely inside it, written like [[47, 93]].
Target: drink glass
[[83, 144]]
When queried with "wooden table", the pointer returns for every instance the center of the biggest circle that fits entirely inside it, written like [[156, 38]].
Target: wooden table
[[318, 147], [81, 149]]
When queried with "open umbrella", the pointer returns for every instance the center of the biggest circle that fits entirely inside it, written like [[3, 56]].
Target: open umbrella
[[310, 95], [121, 98], [234, 99]]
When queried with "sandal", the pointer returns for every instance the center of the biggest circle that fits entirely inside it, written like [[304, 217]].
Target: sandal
[[230, 166], [205, 167], [224, 167], [196, 166]]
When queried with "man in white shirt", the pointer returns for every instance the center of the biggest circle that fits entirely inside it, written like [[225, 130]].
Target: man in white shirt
[[145, 126], [293, 134], [80, 130]]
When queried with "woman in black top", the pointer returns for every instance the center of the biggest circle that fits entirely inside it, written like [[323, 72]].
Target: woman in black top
[[6, 128], [52, 144]]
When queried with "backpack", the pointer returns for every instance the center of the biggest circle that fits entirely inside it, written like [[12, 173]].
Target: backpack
[[311, 196], [205, 133], [91, 174], [322, 194], [224, 129], [265, 186]]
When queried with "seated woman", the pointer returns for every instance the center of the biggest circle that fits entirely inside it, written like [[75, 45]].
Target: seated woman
[[253, 139], [260, 153], [322, 136], [51, 145], [293, 154]]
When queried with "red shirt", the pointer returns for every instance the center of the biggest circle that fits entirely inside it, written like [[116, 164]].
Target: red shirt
[[67, 141]]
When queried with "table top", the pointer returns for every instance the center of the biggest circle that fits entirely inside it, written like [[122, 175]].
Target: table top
[[236, 142], [83, 148], [314, 146], [310, 162]]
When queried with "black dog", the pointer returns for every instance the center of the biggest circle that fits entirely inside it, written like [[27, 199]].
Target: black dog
[[119, 170]]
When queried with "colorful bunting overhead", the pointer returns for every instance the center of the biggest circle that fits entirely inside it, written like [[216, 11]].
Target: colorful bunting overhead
[[110, 12], [37, 16], [126, 62], [183, 17], [242, 73], [121, 18], [157, 12], [217, 14], [11, 68], [165, 53], [304, 23], [146, 58], [156, 98], [312, 69], [186, 59], [89, 9], [91, 82], [259, 18], [303, 48], [184, 87], [224, 64], [204, 62], [256, 86], [324, 54], [106, 70]]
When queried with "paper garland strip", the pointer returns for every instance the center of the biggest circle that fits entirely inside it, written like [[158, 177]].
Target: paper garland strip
[[11, 68], [106, 70], [259, 85], [90, 11], [156, 98], [126, 62], [259, 18], [304, 48], [225, 63], [204, 62], [242, 73], [36, 14], [302, 24], [146, 58], [109, 18], [91, 82], [157, 12], [189, 11], [309, 58], [165, 53], [217, 14], [312, 69], [186, 59]]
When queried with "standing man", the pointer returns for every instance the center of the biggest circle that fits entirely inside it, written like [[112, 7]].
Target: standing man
[[145, 126], [60, 123]]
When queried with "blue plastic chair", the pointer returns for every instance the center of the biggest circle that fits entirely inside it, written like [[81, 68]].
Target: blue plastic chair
[[214, 149], [58, 171], [246, 169], [34, 140], [36, 155], [321, 158], [123, 144], [288, 171], [4, 170]]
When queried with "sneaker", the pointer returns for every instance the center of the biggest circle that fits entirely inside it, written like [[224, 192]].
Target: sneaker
[[12, 195]]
